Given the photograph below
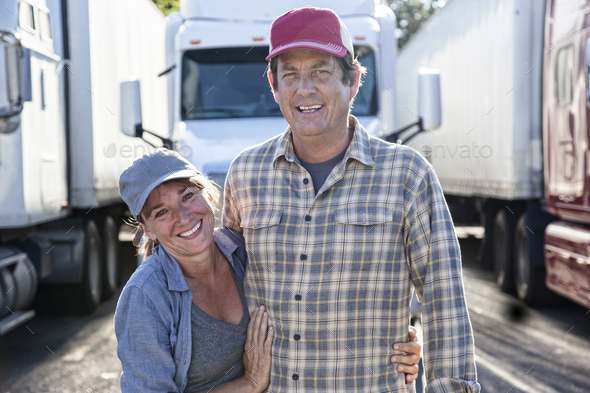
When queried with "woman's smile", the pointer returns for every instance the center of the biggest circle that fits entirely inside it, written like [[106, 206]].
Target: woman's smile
[[191, 231]]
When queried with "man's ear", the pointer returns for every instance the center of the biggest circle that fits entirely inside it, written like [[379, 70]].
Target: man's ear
[[355, 81], [271, 80]]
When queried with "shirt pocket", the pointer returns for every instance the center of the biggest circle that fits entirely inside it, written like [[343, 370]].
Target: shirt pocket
[[263, 236], [261, 218], [363, 235], [364, 215]]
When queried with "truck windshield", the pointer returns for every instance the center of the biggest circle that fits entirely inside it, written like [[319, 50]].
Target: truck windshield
[[231, 83]]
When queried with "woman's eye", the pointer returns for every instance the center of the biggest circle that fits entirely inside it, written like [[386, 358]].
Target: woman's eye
[[160, 213], [188, 195]]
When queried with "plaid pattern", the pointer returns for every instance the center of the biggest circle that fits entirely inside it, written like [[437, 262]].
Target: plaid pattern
[[336, 270]]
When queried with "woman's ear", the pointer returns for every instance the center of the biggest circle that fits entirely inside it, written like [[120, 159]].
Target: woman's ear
[[210, 197], [148, 233]]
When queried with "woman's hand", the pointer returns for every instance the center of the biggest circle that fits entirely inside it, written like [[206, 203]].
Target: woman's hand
[[408, 363], [257, 355]]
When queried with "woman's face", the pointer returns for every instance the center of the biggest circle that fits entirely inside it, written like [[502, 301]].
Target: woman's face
[[181, 219]]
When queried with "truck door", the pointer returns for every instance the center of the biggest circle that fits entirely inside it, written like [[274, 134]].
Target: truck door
[[43, 128], [566, 143]]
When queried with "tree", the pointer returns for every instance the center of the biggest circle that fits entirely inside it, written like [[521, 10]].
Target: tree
[[167, 6], [411, 15]]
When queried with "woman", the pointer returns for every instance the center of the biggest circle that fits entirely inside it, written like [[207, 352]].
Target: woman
[[182, 322]]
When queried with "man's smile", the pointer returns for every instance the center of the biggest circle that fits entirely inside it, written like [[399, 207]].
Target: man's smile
[[308, 109]]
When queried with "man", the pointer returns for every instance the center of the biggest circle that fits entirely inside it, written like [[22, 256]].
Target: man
[[340, 227]]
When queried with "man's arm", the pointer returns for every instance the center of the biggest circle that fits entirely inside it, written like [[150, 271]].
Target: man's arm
[[435, 264]]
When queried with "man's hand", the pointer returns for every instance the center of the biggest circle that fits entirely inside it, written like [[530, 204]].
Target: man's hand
[[408, 363]]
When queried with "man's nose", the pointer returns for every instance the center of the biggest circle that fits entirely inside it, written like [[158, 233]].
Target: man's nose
[[306, 86]]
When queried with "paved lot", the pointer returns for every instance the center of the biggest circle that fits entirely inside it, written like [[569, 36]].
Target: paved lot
[[518, 349]]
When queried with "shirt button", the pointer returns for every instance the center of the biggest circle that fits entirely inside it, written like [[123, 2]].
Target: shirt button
[[308, 218], [303, 257], [295, 377], [305, 181], [297, 337], [298, 297]]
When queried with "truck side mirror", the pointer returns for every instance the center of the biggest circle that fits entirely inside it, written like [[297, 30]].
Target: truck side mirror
[[429, 107], [131, 123], [11, 82]]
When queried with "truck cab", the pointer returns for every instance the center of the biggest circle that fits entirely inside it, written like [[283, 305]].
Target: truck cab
[[219, 97]]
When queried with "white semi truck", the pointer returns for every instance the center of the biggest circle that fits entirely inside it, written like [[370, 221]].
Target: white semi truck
[[513, 144], [219, 99], [61, 151]]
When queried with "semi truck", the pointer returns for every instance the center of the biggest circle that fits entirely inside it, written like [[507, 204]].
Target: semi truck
[[61, 149], [512, 149], [219, 99]]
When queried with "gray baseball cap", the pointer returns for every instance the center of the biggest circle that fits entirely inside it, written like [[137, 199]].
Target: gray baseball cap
[[148, 172]]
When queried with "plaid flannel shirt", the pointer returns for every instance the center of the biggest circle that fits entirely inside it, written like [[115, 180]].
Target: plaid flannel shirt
[[336, 270]]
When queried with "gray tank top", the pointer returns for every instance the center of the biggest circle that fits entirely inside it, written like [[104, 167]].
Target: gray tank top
[[217, 347]]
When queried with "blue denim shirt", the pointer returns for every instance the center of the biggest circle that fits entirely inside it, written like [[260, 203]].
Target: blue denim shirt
[[153, 319]]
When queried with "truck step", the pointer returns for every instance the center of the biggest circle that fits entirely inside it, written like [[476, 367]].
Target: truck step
[[15, 320]]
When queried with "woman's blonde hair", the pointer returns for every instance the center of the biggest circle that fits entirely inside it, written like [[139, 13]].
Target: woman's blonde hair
[[199, 181]]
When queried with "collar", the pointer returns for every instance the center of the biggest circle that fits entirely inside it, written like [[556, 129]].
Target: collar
[[358, 149], [172, 270]]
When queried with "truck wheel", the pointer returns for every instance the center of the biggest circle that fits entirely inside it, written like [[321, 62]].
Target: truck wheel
[[85, 296], [486, 251], [502, 251], [7, 297], [110, 263], [529, 277]]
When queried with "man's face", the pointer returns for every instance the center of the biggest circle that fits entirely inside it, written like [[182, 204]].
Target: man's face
[[311, 94]]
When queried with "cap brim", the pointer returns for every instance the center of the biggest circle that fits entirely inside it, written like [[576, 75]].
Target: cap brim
[[186, 173], [330, 48]]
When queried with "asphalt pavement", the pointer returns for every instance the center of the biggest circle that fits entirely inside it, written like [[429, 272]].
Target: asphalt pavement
[[518, 349]]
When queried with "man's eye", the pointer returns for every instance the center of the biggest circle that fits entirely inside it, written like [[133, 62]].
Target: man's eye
[[160, 213]]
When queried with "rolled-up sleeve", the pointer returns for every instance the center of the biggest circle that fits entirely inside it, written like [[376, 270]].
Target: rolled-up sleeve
[[143, 344], [435, 262]]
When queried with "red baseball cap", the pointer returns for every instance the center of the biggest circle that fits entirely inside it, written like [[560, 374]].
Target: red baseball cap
[[312, 28]]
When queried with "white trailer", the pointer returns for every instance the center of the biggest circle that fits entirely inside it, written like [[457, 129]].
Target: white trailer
[[218, 95], [489, 55], [488, 152], [61, 151]]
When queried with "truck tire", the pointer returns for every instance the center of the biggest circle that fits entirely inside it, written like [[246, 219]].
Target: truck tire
[[503, 250], [84, 297], [110, 262], [8, 296], [486, 251], [529, 276], [25, 281]]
